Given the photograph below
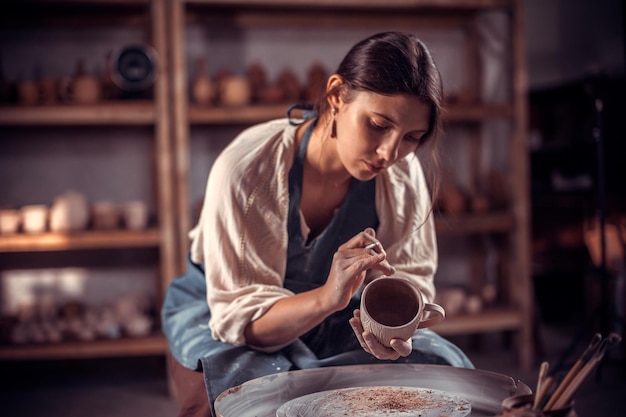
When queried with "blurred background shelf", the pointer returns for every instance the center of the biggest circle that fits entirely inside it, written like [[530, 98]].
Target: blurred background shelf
[[115, 150], [111, 113], [80, 240], [143, 346]]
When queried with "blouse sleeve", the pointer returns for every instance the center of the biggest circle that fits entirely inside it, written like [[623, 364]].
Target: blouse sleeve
[[407, 228], [241, 235]]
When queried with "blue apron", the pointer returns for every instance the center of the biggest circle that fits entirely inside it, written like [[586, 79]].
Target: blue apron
[[185, 313]]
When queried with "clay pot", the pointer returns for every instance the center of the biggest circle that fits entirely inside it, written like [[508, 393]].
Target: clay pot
[[81, 89], [453, 200], [316, 82], [106, 215], [521, 406], [235, 91], [48, 91], [288, 82], [258, 82], [479, 203], [28, 93], [202, 87], [272, 94]]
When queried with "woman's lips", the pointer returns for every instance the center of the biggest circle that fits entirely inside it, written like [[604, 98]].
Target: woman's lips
[[374, 168]]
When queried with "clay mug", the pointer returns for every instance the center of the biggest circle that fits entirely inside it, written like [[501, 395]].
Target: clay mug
[[393, 308]]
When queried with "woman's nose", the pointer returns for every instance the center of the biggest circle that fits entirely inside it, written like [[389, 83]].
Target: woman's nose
[[388, 149]]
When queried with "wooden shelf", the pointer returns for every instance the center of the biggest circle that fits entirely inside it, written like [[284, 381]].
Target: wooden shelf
[[260, 113], [81, 240], [494, 222], [236, 115], [140, 112], [152, 345], [74, 13], [492, 320], [361, 4]]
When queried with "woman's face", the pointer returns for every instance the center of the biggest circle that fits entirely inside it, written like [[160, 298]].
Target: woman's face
[[375, 131]]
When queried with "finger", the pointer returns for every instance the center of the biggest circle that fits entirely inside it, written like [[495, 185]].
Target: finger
[[355, 264], [355, 323], [378, 349], [361, 240], [371, 243], [369, 231], [385, 267], [403, 347]]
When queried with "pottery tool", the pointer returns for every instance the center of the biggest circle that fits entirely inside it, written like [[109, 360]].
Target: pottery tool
[[541, 379], [584, 358], [597, 354], [542, 395]]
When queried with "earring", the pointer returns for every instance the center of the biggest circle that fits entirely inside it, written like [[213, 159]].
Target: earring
[[333, 124]]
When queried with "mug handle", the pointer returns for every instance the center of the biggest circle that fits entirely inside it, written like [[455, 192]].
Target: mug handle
[[434, 312]]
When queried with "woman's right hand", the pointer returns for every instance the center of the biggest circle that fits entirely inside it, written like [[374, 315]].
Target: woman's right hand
[[350, 265], [291, 317]]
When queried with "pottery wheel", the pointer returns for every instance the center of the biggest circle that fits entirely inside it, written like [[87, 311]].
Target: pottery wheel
[[264, 396], [376, 401]]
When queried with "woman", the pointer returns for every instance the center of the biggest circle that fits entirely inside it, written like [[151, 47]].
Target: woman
[[279, 254]]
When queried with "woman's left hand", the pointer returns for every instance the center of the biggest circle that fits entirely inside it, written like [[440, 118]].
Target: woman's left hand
[[371, 345]]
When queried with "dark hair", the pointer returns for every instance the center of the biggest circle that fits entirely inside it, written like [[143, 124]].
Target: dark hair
[[392, 63]]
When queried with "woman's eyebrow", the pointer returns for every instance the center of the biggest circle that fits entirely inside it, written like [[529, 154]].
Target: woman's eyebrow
[[384, 116], [391, 120]]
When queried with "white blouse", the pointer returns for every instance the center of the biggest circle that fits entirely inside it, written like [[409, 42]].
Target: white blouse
[[241, 236]]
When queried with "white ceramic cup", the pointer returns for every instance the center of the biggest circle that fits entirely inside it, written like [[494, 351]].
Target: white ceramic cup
[[393, 308], [135, 215], [10, 220], [34, 218]]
